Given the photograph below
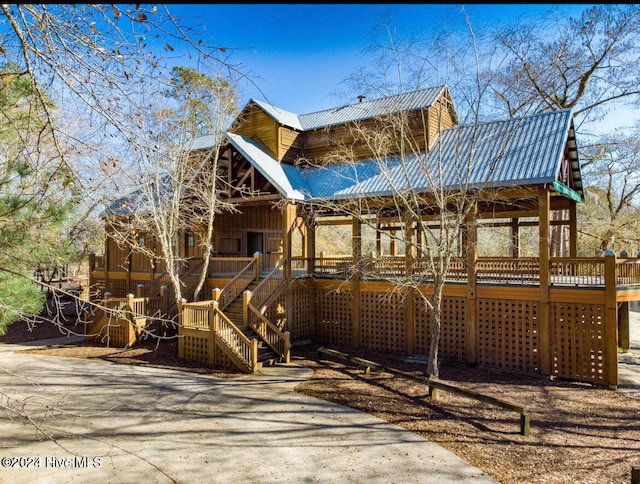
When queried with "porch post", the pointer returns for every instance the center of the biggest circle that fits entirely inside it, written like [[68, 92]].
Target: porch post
[[288, 219], [311, 245], [611, 321], [356, 247], [515, 238], [573, 229], [410, 254], [471, 250], [544, 233]]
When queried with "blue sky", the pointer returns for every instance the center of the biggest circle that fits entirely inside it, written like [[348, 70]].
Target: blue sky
[[298, 55]]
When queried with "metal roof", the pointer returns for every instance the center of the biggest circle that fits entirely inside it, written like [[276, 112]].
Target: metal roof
[[268, 166], [280, 115], [371, 109], [409, 101], [517, 152]]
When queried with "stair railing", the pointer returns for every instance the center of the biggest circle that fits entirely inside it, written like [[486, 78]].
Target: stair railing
[[256, 303], [238, 284], [241, 351]]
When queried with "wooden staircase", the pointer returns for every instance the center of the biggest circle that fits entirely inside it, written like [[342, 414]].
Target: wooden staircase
[[234, 311]]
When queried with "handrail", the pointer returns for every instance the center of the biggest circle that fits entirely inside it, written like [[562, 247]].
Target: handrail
[[206, 315], [154, 286], [190, 282], [267, 287], [245, 349], [270, 333], [237, 285]]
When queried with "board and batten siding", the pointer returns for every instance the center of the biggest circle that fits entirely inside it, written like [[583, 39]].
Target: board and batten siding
[[259, 126]]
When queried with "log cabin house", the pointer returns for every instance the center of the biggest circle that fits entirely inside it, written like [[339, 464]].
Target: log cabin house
[[271, 285]]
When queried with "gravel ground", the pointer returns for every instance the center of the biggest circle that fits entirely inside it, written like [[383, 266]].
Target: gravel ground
[[579, 433]]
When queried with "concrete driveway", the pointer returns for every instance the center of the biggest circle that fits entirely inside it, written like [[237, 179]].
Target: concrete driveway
[[121, 424]]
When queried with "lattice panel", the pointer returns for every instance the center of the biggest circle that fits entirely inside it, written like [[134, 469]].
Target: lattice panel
[[453, 341], [382, 322], [301, 326], [333, 318], [117, 287], [115, 333], [578, 339], [221, 360], [197, 349], [508, 334], [119, 334]]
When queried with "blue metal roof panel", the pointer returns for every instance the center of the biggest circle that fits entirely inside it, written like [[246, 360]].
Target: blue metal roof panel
[[518, 152], [269, 167]]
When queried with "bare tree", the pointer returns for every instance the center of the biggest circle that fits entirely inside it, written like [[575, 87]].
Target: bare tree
[[176, 186], [96, 74], [610, 213], [588, 64], [426, 191]]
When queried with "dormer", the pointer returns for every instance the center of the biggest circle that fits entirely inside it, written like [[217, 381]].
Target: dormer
[[289, 137]]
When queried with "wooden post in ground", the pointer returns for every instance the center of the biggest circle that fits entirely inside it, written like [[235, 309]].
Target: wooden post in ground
[[214, 324], [356, 246], [246, 299], [181, 304], [611, 321], [544, 316], [471, 249]]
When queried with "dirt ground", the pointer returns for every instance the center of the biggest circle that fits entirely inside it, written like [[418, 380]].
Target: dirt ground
[[579, 433]]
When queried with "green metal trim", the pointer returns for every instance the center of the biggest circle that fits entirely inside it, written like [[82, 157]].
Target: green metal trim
[[565, 190]]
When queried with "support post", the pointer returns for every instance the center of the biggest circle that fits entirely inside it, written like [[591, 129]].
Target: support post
[[573, 229], [471, 249], [544, 319], [164, 299], [515, 238], [214, 327], [410, 254], [181, 304], [246, 299], [356, 246], [611, 320], [311, 246], [623, 326]]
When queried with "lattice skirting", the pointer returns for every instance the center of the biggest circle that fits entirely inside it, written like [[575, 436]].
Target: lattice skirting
[[507, 332]]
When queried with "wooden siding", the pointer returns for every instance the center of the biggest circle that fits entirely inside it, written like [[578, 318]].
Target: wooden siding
[[259, 126], [290, 146], [425, 127], [440, 117], [231, 234]]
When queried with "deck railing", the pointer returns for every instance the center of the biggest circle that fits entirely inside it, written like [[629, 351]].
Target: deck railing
[[227, 266], [563, 271]]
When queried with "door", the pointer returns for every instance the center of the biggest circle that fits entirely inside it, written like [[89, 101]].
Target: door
[[255, 243]]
